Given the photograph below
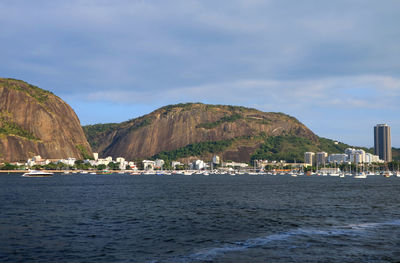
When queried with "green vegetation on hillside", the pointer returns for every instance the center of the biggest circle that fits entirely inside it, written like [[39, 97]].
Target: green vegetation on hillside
[[286, 148], [292, 148], [84, 152], [94, 133], [35, 92], [140, 122], [195, 149], [8, 127], [210, 125], [396, 154]]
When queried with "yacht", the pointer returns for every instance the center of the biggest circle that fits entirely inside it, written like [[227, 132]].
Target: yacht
[[34, 173], [360, 175]]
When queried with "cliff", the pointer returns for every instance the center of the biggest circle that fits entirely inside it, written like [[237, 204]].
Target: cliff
[[235, 133], [36, 122]]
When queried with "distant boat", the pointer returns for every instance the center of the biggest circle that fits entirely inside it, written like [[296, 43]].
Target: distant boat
[[360, 175], [104, 172], [34, 173]]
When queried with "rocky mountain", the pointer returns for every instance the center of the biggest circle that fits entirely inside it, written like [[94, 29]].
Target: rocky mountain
[[199, 130], [36, 122]]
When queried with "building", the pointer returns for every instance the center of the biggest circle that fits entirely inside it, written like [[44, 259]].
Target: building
[[70, 161], [338, 158], [159, 163], [198, 165], [148, 165], [236, 165], [216, 159], [132, 165], [357, 156], [309, 158], [321, 158], [96, 156], [383, 142], [370, 158], [174, 164]]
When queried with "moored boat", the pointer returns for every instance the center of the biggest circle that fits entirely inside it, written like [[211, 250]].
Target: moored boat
[[35, 173], [360, 175]]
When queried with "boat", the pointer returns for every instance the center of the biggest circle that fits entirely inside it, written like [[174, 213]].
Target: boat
[[104, 172], [387, 174], [35, 173], [360, 175]]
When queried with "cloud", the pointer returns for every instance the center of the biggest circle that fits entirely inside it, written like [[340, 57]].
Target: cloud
[[276, 55]]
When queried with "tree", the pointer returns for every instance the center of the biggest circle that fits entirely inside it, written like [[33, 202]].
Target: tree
[[101, 167]]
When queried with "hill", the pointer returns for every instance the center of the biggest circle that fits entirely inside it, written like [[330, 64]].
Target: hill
[[34, 121], [195, 130]]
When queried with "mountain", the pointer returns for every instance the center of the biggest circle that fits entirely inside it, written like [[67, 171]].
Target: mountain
[[185, 131], [34, 121]]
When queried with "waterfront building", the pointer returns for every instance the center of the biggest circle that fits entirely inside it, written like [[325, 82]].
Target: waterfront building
[[321, 158], [174, 164], [120, 160], [95, 156], [238, 165], [132, 165], [148, 165], [309, 158], [338, 158], [70, 161], [122, 163], [382, 142], [198, 165], [216, 159], [371, 158], [102, 161], [159, 163]]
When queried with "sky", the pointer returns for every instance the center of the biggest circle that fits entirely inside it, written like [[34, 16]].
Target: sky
[[334, 65]]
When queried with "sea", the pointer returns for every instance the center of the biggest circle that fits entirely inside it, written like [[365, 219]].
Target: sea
[[216, 218]]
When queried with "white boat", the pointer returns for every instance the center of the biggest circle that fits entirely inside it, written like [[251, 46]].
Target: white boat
[[35, 173], [360, 175]]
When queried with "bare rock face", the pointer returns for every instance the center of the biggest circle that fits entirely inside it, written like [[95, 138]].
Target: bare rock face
[[176, 126], [36, 122]]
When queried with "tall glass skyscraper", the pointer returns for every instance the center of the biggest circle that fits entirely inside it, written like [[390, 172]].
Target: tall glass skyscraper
[[383, 142]]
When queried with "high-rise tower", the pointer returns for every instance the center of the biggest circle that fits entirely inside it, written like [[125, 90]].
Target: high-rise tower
[[382, 142]]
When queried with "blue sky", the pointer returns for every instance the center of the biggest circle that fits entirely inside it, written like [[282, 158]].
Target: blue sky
[[334, 65]]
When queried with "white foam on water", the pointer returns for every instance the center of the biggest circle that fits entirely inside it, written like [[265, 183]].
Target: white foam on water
[[352, 229]]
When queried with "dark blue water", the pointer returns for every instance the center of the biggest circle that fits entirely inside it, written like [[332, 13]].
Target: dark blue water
[[124, 218]]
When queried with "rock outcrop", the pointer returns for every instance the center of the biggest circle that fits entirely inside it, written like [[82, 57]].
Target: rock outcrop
[[175, 126], [36, 122]]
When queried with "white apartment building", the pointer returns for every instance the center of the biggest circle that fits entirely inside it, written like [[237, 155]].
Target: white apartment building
[[338, 158], [309, 158], [70, 161], [148, 165], [174, 164], [321, 158], [234, 164], [198, 165], [159, 163]]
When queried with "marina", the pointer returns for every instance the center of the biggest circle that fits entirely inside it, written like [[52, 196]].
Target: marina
[[199, 218]]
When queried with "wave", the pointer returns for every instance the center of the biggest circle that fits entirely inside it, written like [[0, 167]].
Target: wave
[[349, 230]]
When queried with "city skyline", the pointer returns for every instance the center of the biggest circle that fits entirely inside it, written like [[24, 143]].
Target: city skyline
[[333, 66]]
